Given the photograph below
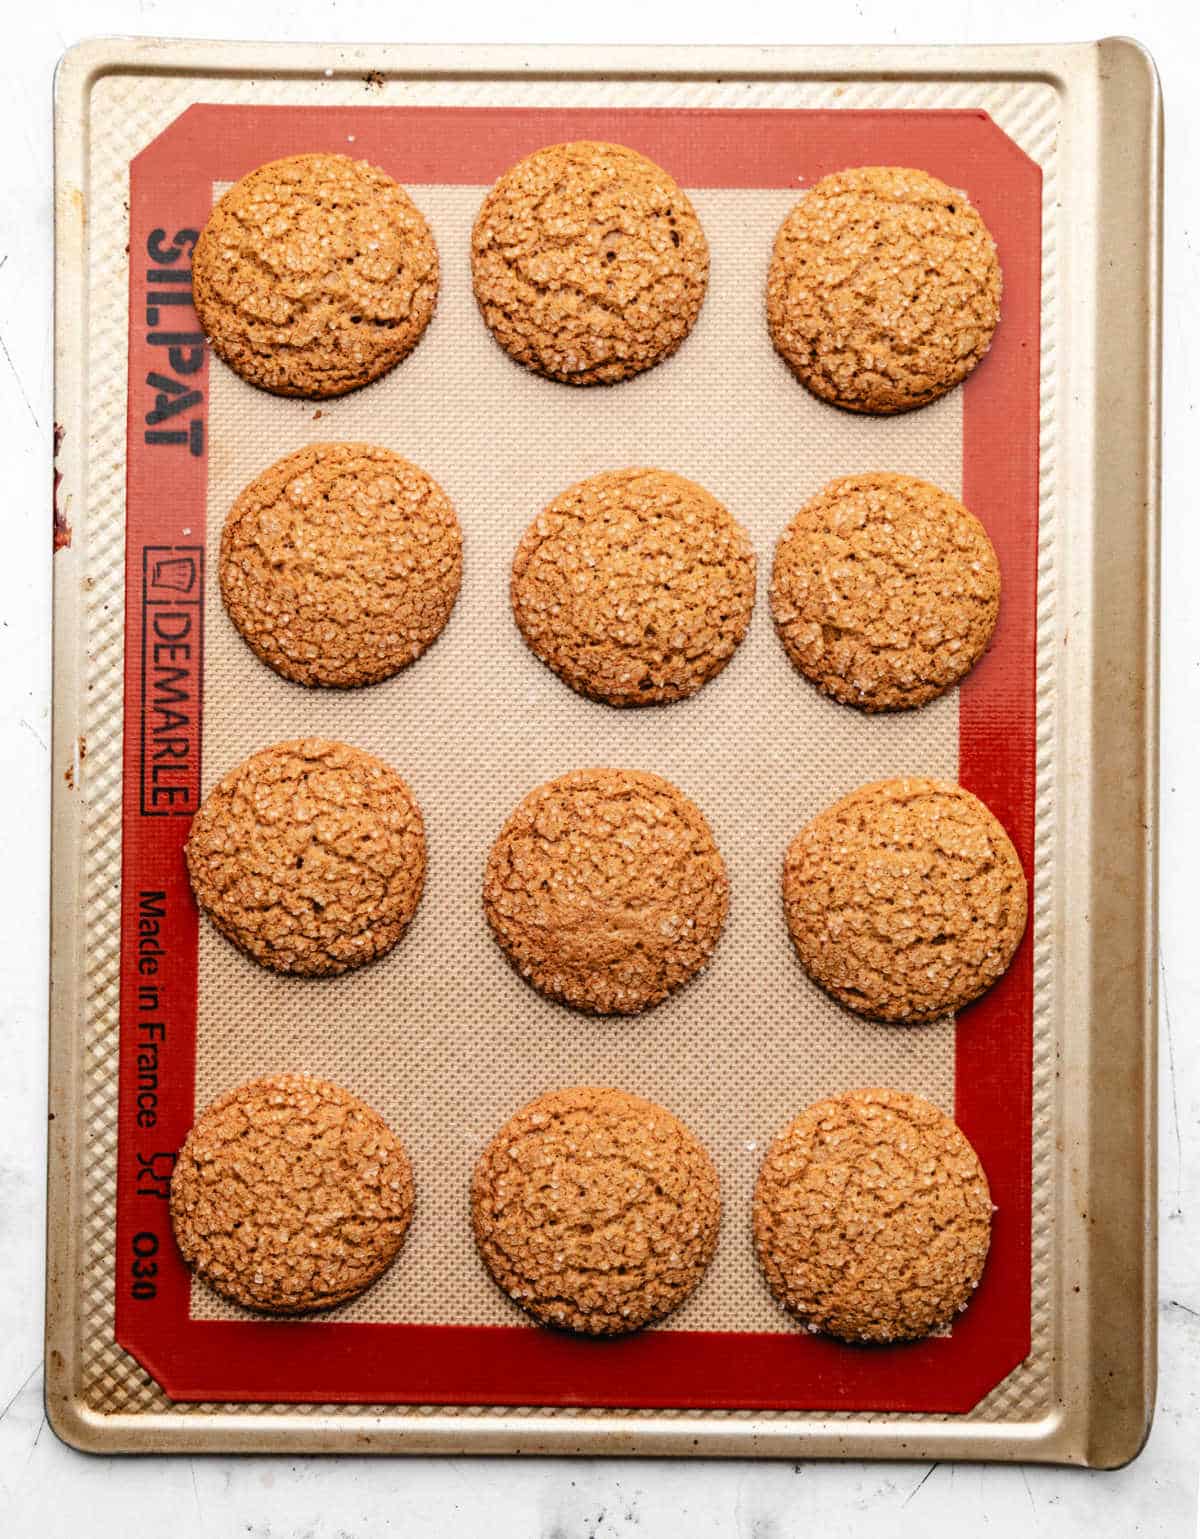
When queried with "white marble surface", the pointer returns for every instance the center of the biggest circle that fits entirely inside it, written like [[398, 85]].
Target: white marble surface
[[47, 1489]]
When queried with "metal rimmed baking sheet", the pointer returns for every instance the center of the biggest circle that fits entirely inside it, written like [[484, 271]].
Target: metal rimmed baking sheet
[[1081, 1390]]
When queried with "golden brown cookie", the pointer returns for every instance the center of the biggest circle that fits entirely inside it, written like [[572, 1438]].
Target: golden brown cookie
[[606, 891], [905, 900], [635, 586], [872, 1217], [885, 591], [314, 275], [884, 289], [596, 1211], [309, 856], [340, 564], [290, 1194], [589, 263]]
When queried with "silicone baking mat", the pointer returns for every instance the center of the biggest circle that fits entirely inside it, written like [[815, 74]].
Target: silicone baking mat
[[441, 1036]]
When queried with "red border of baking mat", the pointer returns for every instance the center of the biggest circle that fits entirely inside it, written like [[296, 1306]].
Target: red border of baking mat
[[170, 196]]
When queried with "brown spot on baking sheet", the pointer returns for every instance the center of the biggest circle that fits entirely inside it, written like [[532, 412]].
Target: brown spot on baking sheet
[[80, 756], [62, 529]]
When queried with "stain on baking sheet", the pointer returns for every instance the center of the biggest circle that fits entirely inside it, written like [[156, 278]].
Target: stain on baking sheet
[[62, 529]]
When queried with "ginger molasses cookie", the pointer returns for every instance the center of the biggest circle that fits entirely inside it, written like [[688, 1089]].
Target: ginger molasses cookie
[[314, 275], [872, 1217], [309, 856], [340, 564], [905, 900], [290, 1194], [606, 890], [596, 1211], [884, 289], [885, 591], [589, 263], [635, 586]]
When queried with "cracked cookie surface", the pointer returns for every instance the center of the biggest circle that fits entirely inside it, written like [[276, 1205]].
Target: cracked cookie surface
[[885, 591], [634, 586], [905, 900], [884, 289], [589, 263], [309, 857], [595, 1210], [290, 1194], [606, 890], [340, 564], [872, 1217], [314, 275]]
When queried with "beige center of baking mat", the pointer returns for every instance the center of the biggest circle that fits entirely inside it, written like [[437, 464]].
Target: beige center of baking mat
[[441, 1036]]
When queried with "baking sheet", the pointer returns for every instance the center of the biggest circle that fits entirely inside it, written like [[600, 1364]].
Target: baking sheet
[[672, 1052]]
